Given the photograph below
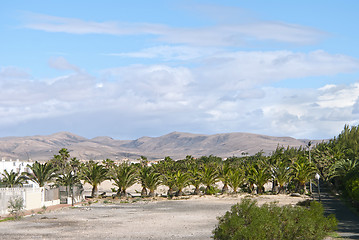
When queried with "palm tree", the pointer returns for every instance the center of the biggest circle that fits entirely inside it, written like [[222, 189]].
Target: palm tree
[[41, 173], [60, 161], [143, 174], [209, 176], [124, 176], [181, 181], [224, 171], [68, 176], [342, 167], [235, 179], [259, 175], [195, 179], [12, 179], [152, 181], [169, 179], [94, 174], [281, 173], [68, 179], [303, 171]]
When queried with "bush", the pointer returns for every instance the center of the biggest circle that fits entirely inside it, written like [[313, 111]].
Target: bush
[[16, 206], [211, 191], [351, 185], [249, 221]]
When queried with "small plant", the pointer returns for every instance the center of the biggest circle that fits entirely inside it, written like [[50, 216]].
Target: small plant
[[7, 219], [16, 206], [211, 190]]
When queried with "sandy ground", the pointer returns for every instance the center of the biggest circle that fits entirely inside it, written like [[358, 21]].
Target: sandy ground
[[192, 218]]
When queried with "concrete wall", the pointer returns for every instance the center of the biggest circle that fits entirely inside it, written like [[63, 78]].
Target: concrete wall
[[6, 194], [33, 198]]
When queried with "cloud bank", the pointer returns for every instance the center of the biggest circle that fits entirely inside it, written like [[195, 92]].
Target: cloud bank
[[225, 92]]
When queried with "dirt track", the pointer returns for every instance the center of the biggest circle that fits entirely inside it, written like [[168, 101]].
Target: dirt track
[[175, 219]]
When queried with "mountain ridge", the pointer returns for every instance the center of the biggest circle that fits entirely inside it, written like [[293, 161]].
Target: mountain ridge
[[175, 144]]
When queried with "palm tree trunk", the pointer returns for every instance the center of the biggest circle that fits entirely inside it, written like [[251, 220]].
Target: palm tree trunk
[[275, 189], [225, 188], [281, 189], [144, 192], [304, 188], [196, 191], [123, 193], [152, 193], [179, 193], [94, 192], [251, 188], [260, 189], [170, 192], [207, 189], [118, 192]]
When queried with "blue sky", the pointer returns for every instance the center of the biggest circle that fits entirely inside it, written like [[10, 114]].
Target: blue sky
[[127, 69]]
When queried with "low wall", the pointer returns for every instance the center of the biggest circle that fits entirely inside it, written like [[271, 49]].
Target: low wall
[[51, 203], [6, 194], [33, 197]]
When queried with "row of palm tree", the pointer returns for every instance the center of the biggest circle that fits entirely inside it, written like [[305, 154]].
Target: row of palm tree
[[288, 169], [236, 173]]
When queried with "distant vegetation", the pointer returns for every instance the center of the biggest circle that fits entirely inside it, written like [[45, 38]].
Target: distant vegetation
[[288, 169]]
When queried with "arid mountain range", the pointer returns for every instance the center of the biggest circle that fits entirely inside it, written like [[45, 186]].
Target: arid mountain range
[[176, 145]]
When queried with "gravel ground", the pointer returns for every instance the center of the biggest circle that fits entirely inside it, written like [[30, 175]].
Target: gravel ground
[[194, 218]]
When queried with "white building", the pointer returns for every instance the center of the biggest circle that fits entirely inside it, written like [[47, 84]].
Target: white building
[[15, 165]]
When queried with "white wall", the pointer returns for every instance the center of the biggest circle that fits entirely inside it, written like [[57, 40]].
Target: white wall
[[33, 198]]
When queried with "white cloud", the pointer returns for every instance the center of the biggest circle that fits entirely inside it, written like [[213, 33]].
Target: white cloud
[[339, 96], [77, 26], [243, 70], [12, 72], [154, 83], [61, 63], [169, 53], [217, 35], [242, 34]]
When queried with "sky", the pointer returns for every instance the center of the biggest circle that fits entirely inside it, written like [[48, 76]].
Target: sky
[[127, 69]]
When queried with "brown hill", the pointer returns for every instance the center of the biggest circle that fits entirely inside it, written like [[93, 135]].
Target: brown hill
[[176, 145]]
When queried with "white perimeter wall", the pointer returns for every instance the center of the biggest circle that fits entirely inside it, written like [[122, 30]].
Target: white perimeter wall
[[33, 198]]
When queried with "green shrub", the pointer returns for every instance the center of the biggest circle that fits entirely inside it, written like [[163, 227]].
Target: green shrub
[[352, 188], [249, 221], [212, 190], [16, 206], [351, 184]]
